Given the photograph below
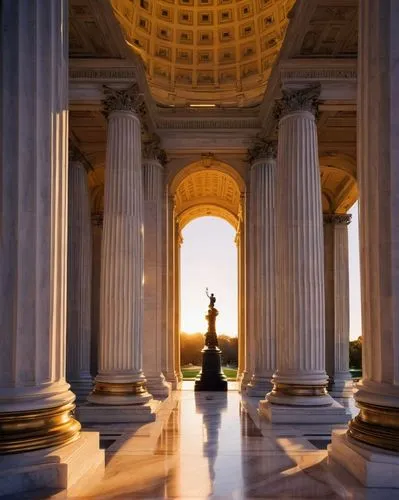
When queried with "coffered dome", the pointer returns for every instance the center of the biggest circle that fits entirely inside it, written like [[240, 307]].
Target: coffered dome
[[205, 51]]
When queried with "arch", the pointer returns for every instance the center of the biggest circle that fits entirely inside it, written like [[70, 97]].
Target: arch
[[205, 210], [206, 163]]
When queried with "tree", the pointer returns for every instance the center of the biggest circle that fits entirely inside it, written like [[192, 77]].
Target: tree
[[355, 353]]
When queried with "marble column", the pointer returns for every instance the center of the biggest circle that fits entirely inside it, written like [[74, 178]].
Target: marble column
[[79, 279], [33, 227], [97, 234], [336, 259], [40, 441], [262, 248], [169, 368], [120, 379], [300, 379], [154, 250], [178, 244], [370, 449], [240, 241]]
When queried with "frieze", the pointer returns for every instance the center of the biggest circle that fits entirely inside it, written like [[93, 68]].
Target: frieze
[[344, 219], [262, 148], [314, 74], [185, 124], [130, 99], [305, 99], [103, 74]]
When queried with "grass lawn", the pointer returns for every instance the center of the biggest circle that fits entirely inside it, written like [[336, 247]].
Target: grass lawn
[[190, 372]]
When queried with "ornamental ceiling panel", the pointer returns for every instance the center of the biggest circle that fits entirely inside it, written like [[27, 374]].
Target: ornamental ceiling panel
[[205, 51], [208, 187]]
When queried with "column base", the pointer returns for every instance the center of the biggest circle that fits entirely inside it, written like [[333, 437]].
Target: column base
[[114, 414], [373, 467], [58, 468], [158, 386], [286, 414], [116, 394], [81, 388], [244, 381], [259, 386], [342, 388]]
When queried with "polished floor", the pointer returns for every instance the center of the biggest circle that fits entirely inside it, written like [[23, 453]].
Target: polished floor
[[209, 448]]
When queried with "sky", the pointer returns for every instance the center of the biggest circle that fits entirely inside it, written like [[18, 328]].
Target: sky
[[209, 259]]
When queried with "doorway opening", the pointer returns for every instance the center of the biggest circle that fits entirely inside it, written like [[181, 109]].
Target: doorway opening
[[208, 260]]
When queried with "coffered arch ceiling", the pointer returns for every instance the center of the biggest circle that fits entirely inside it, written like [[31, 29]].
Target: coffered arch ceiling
[[205, 51], [208, 192]]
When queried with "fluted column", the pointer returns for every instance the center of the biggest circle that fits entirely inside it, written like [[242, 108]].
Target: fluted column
[[120, 379], [154, 251], [300, 378], [241, 241], [170, 361], [79, 279], [97, 232], [337, 304], [178, 244], [262, 247], [35, 400], [370, 451]]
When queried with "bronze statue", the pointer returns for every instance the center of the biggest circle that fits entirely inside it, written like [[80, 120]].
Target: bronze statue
[[212, 299], [211, 337]]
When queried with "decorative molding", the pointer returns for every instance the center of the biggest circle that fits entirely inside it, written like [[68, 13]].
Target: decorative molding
[[262, 148], [305, 99], [101, 75], [130, 99], [344, 219], [151, 150], [97, 218], [209, 123], [318, 74]]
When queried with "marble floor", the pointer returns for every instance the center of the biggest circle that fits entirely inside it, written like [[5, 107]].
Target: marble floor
[[209, 448]]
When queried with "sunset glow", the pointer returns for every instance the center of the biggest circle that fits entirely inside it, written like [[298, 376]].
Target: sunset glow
[[208, 259]]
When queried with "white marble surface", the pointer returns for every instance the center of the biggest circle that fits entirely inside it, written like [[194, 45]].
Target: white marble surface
[[208, 447], [154, 328], [79, 281], [33, 193], [299, 250], [262, 263]]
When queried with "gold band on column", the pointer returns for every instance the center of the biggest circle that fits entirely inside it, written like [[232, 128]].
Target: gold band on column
[[115, 389], [376, 426], [298, 390], [36, 429]]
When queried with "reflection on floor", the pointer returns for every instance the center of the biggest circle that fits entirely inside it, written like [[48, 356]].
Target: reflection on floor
[[209, 448]]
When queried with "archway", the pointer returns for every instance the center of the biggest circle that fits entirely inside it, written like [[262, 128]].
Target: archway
[[204, 188]]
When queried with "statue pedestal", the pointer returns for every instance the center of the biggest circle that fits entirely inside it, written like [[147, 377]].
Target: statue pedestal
[[211, 377]]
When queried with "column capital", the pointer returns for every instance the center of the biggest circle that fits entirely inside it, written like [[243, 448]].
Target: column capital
[[97, 218], [342, 219], [76, 156], [297, 100], [130, 99], [151, 150], [262, 149]]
